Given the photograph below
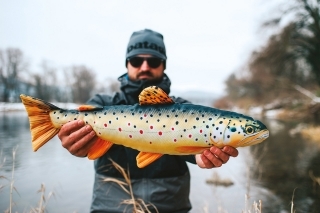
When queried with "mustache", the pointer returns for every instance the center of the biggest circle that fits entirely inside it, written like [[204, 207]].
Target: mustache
[[148, 73]]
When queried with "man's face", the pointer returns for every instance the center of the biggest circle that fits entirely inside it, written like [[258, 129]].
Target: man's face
[[145, 71]]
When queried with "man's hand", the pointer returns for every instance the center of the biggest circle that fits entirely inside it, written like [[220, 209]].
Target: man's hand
[[77, 138], [215, 157]]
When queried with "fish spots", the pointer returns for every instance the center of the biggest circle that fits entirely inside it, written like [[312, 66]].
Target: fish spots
[[141, 131], [129, 124], [151, 127], [160, 133], [105, 125], [172, 128], [174, 140], [130, 136], [119, 129]]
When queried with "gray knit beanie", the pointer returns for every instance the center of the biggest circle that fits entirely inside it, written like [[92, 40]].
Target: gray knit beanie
[[146, 42]]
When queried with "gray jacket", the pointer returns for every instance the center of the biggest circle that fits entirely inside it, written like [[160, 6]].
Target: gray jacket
[[165, 183]]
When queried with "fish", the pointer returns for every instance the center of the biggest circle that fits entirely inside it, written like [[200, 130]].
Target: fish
[[155, 126]]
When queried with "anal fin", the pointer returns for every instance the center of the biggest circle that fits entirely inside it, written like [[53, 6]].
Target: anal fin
[[145, 158], [99, 148], [191, 149]]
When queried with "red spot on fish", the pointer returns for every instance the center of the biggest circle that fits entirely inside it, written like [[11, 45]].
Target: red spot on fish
[[151, 127], [145, 115], [99, 133], [190, 136], [128, 124], [130, 136], [200, 130], [160, 133], [172, 128], [150, 142], [94, 122], [175, 140], [120, 129], [141, 131], [105, 125]]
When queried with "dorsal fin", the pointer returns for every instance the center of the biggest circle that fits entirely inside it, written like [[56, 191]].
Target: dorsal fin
[[88, 108], [154, 95]]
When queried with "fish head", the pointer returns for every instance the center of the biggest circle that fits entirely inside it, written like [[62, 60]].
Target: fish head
[[238, 130]]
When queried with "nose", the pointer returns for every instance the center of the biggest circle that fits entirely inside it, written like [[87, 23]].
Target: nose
[[145, 66]]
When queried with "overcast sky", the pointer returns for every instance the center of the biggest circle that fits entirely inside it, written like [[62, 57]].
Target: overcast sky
[[205, 40]]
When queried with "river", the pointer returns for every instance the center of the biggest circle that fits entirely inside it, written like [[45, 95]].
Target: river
[[270, 173]]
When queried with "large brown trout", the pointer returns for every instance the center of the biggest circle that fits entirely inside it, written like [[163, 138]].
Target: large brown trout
[[155, 126]]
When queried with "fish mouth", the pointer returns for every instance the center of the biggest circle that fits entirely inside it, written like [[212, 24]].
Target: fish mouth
[[254, 139]]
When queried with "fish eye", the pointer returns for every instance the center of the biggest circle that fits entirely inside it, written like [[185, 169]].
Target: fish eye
[[249, 129]]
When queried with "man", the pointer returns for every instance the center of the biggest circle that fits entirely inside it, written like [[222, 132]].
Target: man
[[164, 183]]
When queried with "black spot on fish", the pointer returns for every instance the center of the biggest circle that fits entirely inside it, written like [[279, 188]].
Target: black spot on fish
[[214, 137], [164, 126], [140, 111], [134, 126], [233, 129], [176, 116], [57, 117], [141, 118], [196, 139], [86, 114], [177, 122], [151, 115], [173, 110], [75, 119], [194, 127], [132, 113], [220, 133], [113, 113], [217, 128], [121, 111], [197, 118], [105, 113], [202, 115], [228, 136], [65, 115], [168, 116], [158, 120], [220, 122], [184, 130], [207, 126], [210, 119], [109, 122], [54, 112], [213, 125], [117, 118], [186, 120]]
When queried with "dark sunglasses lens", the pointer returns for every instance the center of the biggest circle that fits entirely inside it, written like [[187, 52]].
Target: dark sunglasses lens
[[136, 61], [154, 62]]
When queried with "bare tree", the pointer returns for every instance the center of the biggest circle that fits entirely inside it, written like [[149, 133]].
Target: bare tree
[[83, 83], [12, 64]]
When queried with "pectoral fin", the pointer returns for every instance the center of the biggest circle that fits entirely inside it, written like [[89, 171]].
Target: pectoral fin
[[145, 158], [98, 149]]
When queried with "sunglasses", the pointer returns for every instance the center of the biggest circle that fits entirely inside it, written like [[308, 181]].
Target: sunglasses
[[153, 62]]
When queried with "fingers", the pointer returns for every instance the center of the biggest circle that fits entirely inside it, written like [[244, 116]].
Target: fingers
[[215, 157], [77, 138]]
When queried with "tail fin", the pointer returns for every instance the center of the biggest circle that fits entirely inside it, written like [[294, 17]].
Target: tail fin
[[41, 127]]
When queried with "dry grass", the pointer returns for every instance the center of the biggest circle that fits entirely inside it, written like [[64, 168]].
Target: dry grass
[[139, 205], [41, 208], [312, 133]]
